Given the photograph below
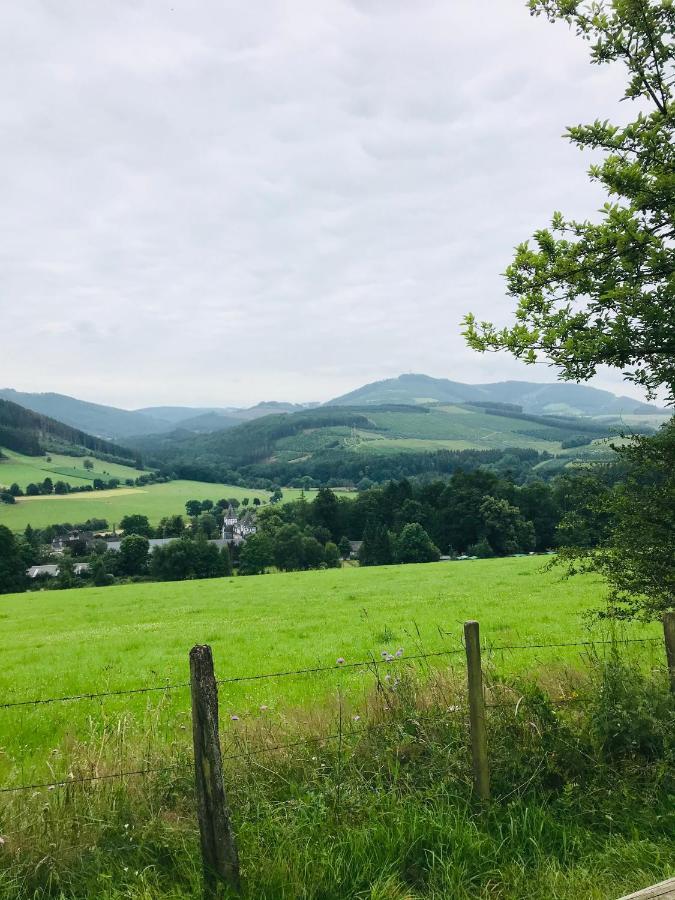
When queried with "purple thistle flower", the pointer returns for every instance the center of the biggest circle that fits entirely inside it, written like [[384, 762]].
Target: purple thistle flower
[[399, 653], [340, 660], [234, 718]]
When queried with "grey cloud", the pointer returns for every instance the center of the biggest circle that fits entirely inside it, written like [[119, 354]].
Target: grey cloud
[[315, 190]]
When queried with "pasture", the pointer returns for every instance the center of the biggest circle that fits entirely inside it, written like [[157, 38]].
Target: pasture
[[154, 501], [59, 643], [26, 469]]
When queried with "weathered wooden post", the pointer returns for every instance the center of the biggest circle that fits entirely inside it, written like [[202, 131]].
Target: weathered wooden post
[[479, 755], [669, 635], [219, 849]]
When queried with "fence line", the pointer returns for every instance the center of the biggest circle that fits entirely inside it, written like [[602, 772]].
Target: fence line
[[235, 679], [89, 778], [258, 751], [94, 696], [316, 669]]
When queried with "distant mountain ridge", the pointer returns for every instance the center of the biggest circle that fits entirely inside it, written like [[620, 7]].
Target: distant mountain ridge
[[559, 398], [115, 424], [31, 433]]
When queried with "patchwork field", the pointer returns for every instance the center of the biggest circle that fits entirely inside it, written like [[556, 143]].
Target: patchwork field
[[153, 501], [26, 469], [59, 643]]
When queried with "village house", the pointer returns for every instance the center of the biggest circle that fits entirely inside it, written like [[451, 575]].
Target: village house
[[77, 541], [236, 530]]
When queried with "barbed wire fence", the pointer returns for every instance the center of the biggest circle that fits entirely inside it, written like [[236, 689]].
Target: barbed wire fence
[[218, 844]]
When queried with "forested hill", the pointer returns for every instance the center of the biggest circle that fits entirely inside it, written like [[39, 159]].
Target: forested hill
[[343, 445], [560, 398], [25, 431]]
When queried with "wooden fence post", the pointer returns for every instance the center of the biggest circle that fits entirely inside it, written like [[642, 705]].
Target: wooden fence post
[[219, 849], [669, 635], [479, 755]]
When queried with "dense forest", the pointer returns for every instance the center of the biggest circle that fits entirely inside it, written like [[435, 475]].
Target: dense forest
[[30, 433]]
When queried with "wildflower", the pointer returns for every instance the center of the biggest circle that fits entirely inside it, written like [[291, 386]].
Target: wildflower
[[387, 677], [399, 653], [264, 708], [234, 718], [453, 709], [390, 658], [385, 654], [340, 660], [357, 718], [2, 841], [126, 825]]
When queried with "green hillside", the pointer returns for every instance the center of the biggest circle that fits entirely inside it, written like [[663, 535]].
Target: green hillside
[[560, 398], [33, 434], [342, 444], [16, 468]]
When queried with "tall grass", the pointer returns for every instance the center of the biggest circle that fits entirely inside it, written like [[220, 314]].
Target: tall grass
[[379, 806]]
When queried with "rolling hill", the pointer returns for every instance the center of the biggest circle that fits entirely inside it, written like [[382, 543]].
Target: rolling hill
[[30, 433], [343, 444], [106, 422], [560, 398], [112, 423]]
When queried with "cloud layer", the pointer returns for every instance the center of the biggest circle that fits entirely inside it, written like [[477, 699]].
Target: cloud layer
[[209, 201]]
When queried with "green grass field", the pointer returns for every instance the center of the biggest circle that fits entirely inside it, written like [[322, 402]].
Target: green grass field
[[26, 469], [388, 814], [153, 501], [98, 639]]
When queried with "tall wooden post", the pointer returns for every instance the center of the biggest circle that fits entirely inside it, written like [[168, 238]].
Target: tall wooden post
[[479, 755], [669, 635], [219, 849]]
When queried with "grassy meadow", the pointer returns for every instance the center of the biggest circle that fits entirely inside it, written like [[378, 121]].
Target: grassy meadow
[[154, 500], [26, 469], [60, 643], [386, 813]]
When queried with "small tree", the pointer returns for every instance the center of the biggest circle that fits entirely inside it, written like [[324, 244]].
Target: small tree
[[12, 563], [312, 553], [288, 548], [345, 547], [15, 490], [88, 464], [136, 524], [332, 556], [256, 554], [193, 508], [413, 545], [133, 555]]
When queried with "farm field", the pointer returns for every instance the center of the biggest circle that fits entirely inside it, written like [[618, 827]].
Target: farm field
[[446, 427], [60, 643], [26, 469], [153, 501]]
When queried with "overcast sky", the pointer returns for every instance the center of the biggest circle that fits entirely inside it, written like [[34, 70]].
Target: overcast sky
[[219, 202]]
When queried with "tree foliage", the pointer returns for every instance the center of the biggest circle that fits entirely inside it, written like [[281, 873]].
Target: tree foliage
[[637, 556], [593, 293]]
